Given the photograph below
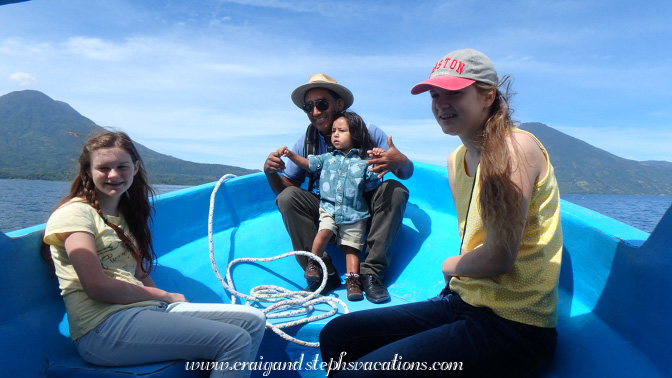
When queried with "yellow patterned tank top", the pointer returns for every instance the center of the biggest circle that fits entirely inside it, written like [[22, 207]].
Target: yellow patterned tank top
[[528, 293]]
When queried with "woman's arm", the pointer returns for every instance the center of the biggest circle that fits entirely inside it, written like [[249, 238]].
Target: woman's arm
[[496, 257], [451, 176], [81, 249]]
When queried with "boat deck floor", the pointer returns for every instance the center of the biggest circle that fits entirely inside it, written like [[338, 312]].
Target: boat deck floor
[[585, 343]]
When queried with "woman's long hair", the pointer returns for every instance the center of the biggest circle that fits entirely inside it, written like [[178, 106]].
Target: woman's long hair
[[361, 139], [134, 205], [499, 200]]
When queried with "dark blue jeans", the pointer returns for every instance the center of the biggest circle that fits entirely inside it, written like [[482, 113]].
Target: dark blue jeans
[[439, 337]]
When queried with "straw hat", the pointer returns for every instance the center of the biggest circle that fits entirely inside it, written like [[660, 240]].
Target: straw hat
[[322, 81]]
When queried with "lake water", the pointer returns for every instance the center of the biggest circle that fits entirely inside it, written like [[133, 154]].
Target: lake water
[[24, 203], [642, 212]]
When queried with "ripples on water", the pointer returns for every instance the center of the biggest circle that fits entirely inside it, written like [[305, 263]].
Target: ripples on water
[[642, 212], [24, 203]]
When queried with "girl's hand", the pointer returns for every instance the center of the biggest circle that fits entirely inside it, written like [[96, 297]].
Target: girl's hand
[[376, 152], [284, 151], [175, 297], [390, 161], [162, 295]]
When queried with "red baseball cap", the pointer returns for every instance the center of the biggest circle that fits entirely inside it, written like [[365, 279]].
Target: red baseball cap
[[458, 70]]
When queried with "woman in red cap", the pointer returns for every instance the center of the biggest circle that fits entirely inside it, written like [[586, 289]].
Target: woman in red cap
[[498, 312]]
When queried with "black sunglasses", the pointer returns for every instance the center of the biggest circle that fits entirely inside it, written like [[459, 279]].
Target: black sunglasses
[[321, 105]]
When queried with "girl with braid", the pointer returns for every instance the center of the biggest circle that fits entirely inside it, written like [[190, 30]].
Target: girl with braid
[[101, 246], [497, 314]]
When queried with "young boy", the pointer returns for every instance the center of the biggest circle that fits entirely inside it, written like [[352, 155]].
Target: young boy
[[344, 178]]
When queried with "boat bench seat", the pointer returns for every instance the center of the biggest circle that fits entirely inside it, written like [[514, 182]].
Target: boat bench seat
[[33, 328], [74, 367], [588, 347], [580, 351]]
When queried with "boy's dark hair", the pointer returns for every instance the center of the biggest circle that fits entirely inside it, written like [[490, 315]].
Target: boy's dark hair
[[361, 139]]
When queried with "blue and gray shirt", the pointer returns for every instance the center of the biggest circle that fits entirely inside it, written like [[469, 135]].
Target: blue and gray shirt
[[295, 173], [343, 181]]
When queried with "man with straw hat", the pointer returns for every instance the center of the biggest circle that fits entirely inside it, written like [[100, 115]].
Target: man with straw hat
[[322, 99]]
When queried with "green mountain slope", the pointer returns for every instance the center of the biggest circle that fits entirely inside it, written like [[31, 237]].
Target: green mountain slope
[[41, 139], [582, 168]]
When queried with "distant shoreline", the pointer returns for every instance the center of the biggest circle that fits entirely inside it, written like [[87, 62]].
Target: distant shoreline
[[26, 203]]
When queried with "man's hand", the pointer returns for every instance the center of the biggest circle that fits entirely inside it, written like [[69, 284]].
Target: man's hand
[[390, 161], [274, 163]]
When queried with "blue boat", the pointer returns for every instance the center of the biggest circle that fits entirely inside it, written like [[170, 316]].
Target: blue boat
[[614, 286]]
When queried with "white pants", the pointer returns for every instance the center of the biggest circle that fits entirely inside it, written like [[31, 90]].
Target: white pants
[[179, 331]]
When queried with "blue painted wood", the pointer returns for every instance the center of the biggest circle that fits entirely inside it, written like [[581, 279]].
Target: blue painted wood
[[613, 288]]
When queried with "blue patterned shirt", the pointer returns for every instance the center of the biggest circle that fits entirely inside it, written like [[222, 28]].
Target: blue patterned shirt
[[343, 181], [296, 174]]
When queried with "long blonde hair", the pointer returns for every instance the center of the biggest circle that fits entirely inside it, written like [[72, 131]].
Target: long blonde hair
[[500, 198]]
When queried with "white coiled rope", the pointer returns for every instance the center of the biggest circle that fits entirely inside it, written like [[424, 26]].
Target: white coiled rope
[[286, 303]]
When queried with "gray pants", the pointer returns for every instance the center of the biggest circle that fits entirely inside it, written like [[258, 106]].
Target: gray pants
[[218, 332], [387, 203]]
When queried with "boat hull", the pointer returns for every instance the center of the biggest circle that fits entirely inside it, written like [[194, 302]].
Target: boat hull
[[612, 321]]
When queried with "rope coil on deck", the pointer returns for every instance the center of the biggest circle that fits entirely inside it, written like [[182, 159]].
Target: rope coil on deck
[[286, 303]]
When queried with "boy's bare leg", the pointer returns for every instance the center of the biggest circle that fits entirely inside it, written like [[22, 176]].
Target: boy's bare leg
[[351, 259], [352, 285], [321, 240], [313, 270]]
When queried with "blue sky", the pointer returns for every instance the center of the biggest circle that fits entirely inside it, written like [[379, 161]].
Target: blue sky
[[210, 81]]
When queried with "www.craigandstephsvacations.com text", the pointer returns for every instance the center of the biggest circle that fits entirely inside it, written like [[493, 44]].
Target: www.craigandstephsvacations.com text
[[268, 367]]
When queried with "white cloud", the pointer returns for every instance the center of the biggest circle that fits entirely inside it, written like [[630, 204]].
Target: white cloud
[[325, 9], [209, 82], [23, 78], [95, 48], [229, 68], [22, 48]]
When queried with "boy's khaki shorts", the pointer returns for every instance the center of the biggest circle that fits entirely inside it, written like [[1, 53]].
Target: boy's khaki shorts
[[351, 234]]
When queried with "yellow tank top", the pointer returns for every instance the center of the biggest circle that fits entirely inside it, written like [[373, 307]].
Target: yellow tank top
[[528, 293]]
